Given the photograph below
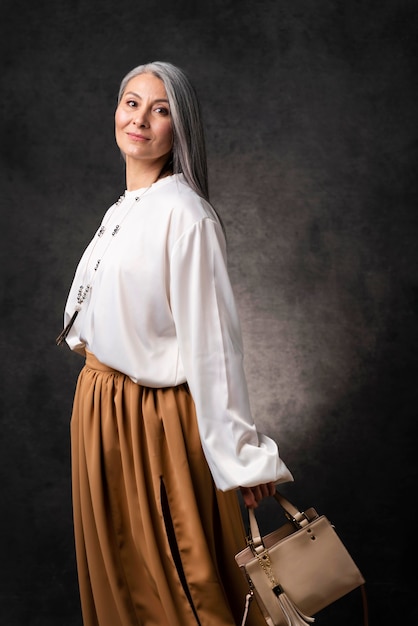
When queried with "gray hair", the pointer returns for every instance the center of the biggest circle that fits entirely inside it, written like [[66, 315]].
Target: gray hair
[[189, 149]]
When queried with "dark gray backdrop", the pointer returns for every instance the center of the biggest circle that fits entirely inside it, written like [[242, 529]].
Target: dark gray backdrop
[[311, 129]]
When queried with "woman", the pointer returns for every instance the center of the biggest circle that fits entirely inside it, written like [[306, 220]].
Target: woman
[[161, 431]]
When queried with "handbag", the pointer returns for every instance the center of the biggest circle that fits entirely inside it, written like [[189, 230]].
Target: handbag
[[298, 569]]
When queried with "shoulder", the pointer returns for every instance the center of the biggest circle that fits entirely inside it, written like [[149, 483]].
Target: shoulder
[[185, 204], [180, 215]]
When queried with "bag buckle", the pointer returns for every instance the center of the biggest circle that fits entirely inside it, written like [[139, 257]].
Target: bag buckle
[[299, 520]]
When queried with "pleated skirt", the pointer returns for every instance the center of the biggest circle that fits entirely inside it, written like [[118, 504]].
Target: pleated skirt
[[155, 540]]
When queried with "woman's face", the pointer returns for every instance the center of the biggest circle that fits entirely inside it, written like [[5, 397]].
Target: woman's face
[[143, 127]]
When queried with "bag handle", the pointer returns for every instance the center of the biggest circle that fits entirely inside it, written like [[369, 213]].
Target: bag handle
[[298, 518]]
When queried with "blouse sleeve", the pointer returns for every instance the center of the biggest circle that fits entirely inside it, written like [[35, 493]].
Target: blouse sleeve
[[211, 350]]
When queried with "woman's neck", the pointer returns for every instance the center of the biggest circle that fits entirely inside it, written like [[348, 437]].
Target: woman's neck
[[139, 175]]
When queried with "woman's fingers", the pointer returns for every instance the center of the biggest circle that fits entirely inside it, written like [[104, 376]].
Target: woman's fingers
[[253, 495], [248, 497]]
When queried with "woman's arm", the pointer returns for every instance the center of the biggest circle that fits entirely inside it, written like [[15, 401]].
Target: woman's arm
[[211, 350]]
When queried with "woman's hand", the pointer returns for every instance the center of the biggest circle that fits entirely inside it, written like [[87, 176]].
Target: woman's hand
[[253, 495]]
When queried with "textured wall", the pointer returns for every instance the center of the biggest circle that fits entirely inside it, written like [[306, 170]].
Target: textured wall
[[311, 129]]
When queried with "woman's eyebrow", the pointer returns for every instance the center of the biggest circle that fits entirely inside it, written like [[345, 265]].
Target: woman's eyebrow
[[133, 93]]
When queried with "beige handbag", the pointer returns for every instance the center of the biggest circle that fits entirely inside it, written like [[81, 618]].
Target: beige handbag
[[297, 570]]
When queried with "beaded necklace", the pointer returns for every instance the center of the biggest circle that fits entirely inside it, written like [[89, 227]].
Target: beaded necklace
[[84, 289]]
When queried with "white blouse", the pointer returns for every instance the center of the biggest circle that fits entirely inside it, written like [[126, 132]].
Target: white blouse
[[160, 309]]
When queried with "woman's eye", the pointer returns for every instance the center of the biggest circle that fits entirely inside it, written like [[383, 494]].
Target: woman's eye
[[131, 103], [162, 110]]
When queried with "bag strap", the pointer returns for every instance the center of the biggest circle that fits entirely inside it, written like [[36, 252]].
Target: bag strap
[[298, 518]]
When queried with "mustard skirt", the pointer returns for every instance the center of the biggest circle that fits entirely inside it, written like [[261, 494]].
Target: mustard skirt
[[155, 540]]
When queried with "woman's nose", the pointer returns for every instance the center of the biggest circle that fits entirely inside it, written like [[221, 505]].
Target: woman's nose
[[140, 119]]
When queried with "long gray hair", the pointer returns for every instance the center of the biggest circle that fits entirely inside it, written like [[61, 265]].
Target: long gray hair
[[189, 148]]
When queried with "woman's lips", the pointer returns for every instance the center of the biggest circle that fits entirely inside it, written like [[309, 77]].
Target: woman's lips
[[136, 137]]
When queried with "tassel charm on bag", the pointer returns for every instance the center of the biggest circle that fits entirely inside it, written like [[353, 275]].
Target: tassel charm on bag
[[62, 336], [293, 615]]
